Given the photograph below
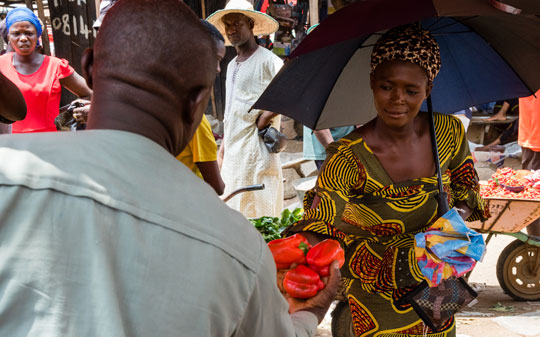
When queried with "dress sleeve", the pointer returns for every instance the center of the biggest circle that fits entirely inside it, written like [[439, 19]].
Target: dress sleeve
[[340, 176], [64, 69], [463, 177]]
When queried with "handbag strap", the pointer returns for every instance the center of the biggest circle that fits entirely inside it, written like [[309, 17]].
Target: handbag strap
[[442, 196]]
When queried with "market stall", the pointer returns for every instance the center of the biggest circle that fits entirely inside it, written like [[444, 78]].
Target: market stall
[[513, 198]]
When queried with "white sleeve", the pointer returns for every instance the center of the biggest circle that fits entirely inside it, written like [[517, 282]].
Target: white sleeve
[[278, 63]]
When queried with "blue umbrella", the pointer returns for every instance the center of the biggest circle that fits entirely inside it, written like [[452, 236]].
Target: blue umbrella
[[473, 71], [484, 59]]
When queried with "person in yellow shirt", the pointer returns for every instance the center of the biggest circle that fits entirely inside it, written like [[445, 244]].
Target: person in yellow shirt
[[200, 155]]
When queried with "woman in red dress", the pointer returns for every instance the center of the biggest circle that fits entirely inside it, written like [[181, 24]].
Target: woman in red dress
[[39, 77]]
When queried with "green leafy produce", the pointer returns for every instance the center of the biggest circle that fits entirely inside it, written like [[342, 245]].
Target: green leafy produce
[[271, 227]]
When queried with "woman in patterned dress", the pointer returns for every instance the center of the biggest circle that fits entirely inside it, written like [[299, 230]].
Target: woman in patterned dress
[[377, 186]]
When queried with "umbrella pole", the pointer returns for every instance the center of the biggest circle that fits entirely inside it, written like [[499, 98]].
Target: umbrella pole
[[442, 196]]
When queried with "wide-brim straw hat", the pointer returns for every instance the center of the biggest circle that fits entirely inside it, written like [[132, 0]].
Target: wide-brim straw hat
[[264, 24]]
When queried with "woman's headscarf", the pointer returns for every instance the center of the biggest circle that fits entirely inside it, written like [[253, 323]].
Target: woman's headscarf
[[408, 43], [23, 14]]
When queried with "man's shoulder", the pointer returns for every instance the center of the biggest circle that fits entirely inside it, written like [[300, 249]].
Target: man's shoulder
[[266, 52], [268, 55], [130, 174]]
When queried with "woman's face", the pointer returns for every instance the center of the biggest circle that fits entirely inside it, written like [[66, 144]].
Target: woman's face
[[23, 37], [399, 88]]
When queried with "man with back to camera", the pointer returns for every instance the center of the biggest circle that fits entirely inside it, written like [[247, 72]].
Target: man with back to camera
[[104, 233], [243, 156], [200, 155]]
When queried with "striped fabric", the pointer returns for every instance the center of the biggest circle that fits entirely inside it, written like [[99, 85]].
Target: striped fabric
[[376, 220]]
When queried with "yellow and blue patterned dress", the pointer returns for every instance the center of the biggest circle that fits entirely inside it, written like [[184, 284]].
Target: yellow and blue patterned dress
[[376, 219]]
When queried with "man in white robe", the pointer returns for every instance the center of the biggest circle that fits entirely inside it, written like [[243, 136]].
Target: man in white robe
[[243, 156]]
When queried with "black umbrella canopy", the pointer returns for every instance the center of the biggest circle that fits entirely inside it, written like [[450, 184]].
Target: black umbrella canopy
[[368, 16], [485, 58]]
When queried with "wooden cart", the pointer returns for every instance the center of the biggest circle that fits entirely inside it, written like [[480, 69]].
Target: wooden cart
[[518, 265]]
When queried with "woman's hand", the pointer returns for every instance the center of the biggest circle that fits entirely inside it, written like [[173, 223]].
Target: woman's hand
[[463, 210], [313, 238]]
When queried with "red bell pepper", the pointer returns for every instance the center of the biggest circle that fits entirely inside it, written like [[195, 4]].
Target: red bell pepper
[[302, 282], [323, 254], [289, 250]]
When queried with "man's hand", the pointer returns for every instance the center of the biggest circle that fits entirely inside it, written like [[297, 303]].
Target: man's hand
[[265, 119], [81, 114], [320, 303]]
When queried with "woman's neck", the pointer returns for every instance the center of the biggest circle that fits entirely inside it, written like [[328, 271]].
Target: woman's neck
[[417, 127], [27, 59], [27, 64]]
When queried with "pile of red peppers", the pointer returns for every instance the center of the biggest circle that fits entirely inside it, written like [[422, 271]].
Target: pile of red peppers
[[312, 263]]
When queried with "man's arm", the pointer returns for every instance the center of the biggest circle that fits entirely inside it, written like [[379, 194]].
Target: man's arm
[[324, 137], [221, 153], [210, 173], [12, 104]]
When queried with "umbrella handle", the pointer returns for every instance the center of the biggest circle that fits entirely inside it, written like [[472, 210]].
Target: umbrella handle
[[442, 196]]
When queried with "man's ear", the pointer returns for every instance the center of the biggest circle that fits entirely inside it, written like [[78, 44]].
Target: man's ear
[[87, 62], [198, 100]]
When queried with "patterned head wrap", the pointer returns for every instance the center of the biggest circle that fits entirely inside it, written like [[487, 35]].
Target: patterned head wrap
[[23, 14], [408, 43]]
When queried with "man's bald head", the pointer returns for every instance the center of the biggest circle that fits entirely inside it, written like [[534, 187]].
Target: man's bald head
[[156, 56]]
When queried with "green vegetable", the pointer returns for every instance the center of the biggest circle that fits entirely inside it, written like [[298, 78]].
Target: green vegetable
[[271, 227]]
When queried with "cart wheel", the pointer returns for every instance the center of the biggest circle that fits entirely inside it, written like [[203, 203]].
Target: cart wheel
[[342, 321], [518, 271]]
